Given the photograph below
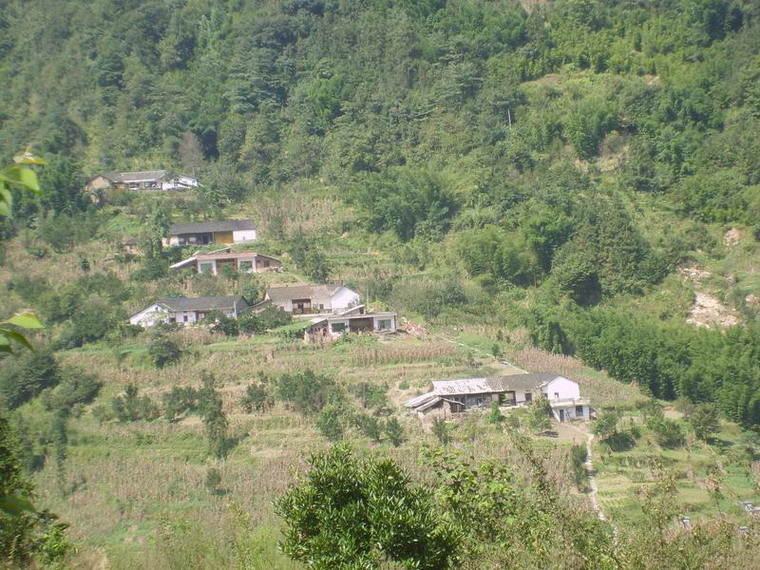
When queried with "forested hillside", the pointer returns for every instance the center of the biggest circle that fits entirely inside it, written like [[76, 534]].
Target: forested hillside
[[571, 150], [580, 176]]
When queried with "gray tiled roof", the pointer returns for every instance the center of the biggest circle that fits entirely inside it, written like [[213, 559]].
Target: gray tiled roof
[[219, 226], [203, 303], [141, 176], [287, 293], [492, 384]]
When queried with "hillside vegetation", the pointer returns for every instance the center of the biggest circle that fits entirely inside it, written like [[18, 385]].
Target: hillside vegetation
[[569, 186]]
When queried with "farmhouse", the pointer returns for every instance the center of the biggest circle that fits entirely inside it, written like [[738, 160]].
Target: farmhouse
[[188, 311], [310, 299], [243, 261], [144, 180], [204, 233], [453, 396], [355, 320]]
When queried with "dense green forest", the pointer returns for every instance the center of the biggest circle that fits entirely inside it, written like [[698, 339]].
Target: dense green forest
[[551, 167], [526, 139]]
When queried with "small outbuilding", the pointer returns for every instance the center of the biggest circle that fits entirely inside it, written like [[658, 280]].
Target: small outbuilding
[[454, 396], [222, 232], [188, 311]]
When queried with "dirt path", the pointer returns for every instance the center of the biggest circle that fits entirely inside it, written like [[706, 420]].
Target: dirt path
[[591, 474]]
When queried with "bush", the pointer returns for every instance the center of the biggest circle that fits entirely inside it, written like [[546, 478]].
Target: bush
[[25, 378], [369, 425], [330, 422], [667, 433], [256, 398], [441, 431], [76, 388], [364, 513], [307, 391], [394, 432], [163, 351], [131, 408], [181, 400]]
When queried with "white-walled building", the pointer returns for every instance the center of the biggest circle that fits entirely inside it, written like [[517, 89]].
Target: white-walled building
[[188, 311], [222, 232], [243, 261], [311, 299], [454, 396]]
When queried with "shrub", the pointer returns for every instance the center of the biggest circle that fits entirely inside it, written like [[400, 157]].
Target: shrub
[[27, 377], [667, 433], [163, 351], [394, 431], [256, 398], [130, 407], [369, 425], [179, 401], [307, 391], [330, 422], [441, 431], [364, 513]]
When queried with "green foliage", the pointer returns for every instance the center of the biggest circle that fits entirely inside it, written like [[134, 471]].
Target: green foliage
[[538, 418], [308, 392], [371, 396], [667, 433], [257, 398], [26, 378], [442, 431], [163, 351], [363, 513], [394, 431], [179, 401], [26, 534], [331, 422], [214, 419], [606, 424], [370, 426], [495, 416], [704, 421], [406, 201], [131, 408], [270, 318]]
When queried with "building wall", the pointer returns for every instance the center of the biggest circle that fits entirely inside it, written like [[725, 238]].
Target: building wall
[[239, 236], [149, 316], [570, 413], [223, 237], [343, 299], [561, 389]]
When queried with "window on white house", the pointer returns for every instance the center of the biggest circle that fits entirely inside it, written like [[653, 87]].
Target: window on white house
[[337, 327], [246, 266], [578, 410], [528, 396], [206, 267], [184, 318], [384, 324]]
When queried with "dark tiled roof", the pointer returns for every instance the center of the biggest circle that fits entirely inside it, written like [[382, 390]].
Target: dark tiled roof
[[201, 227], [284, 294], [492, 384], [203, 303], [135, 176], [520, 381]]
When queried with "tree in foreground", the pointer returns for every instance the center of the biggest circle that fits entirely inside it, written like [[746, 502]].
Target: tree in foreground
[[352, 512]]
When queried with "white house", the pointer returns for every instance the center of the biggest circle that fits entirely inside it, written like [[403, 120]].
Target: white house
[[142, 180], [243, 261], [188, 311], [354, 320], [311, 299], [455, 396], [222, 232]]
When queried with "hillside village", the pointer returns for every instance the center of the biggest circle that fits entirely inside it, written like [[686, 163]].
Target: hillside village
[[316, 284]]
